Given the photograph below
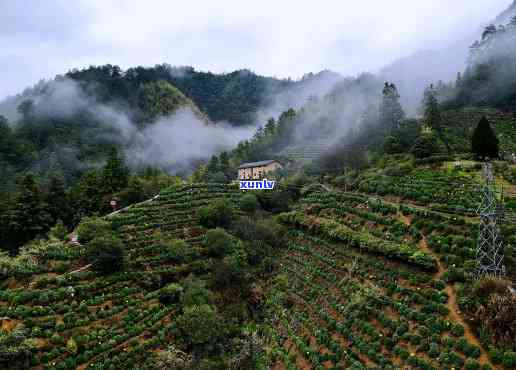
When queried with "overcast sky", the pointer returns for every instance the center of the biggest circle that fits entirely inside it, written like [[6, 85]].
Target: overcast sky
[[39, 39]]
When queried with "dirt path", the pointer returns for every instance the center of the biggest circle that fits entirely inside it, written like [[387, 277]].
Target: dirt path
[[452, 305]]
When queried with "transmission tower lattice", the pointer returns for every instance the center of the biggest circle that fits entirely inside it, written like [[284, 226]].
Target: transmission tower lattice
[[489, 256]]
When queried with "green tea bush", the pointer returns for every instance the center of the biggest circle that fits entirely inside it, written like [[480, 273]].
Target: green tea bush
[[509, 359], [471, 364], [457, 330]]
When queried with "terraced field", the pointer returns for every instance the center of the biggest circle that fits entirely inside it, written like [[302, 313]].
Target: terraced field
[[306, 152], [347, 297], [361, 282], [74, 318]]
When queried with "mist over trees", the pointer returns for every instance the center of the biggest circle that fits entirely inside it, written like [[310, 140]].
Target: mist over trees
[[489, 77]]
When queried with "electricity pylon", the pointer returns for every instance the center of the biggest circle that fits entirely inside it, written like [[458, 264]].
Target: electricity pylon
[[489, 254]]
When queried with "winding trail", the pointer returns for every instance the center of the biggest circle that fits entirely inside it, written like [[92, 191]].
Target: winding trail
[[453, 307]]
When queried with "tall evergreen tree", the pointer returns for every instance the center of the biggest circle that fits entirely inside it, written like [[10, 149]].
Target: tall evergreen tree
[[433, 117], [224, 163], [484, 143], [391, 111], [115, 174], [29, 216], [213, 164], [284, 126], [270, 127], [58, 202]]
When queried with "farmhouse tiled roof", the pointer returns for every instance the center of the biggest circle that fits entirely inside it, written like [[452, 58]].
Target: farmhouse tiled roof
[[257, 164]]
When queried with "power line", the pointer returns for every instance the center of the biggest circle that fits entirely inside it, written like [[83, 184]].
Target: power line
[[489, 254]]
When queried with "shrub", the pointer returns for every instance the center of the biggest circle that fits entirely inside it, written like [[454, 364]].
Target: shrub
[[248, 203], [489, 285], [71, 346], [267, 231], [433, 351], [106, 253], [170, 358], [59, 231], [92, 227], [200, 327], [219, 214], [231, 270], [276, 201], [171, 294], [194, 293], [471, 365], [457, 330], [425, 146], [178, 251], [509, 359], [219, 242]]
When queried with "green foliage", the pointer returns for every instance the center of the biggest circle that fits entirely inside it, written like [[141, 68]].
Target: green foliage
[[248, 203], [219, 242], [509, 359], [28, 216], [92, 227], [171, 294], [391, 112], [178, 250], [392, 145], [194, 293], [115, 175], [106, 253], [218, 214], [160, 98], [484, 143], [336, 231], [59, 231], [200, 327], [457, 330], [275, 201], [425, 146]]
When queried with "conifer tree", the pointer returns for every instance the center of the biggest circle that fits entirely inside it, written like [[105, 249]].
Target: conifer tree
[[213, 164], [391, 111], [433, 117], [29, 216], [484, 143], [115, 174], [57, 200], [224, 163], [270, 127]]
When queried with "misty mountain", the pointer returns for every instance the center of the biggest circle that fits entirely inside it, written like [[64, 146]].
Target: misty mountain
[[489, 80], [413, 73], [416, 72], [239, 98], [506, 15], [162, 116]]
